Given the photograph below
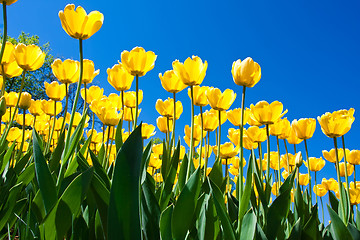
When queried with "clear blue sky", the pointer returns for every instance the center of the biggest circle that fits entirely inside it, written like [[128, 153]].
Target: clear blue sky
[[308, 50]]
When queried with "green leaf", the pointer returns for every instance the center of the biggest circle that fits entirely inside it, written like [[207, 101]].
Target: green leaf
[[311, 228], [333, 201], [43, 176], [145, 161], [7, 210], [295, 233], [118, 136], [182, 173], [55, 157], [228, 230], [99, 170], [123, 213], [216, 174], [185, 206], [207, 223], [20, 164], [27, 175], [355, 233], [7, 157], [344, 206], [338, 229], [245, 198], [165, 223], [248, 226]]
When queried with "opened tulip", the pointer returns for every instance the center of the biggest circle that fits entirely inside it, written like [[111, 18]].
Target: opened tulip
[[138, 62], [67, 71], [29, 120], [192, 71], [147, 130], [162, 123], [218, 100], [227, 150], [320, 190], [130, 99], [93, 93], [25, 100], [29, 58], [316, 164], [78, 24], [210, 121], [119, 77], [349, 167], [338, 123], [304, 127], [246, 73], [9, 2], [266, 113], [11, 99], [292, 138], [89, 72], [281, 128], [12, 69], [196, 136], [303, 179], [8, 55], [199, 95], [234, 116], [171, 83], [55, 91], [166, 108], [354, 157], [331, 155], [256, 134], [48, 107], [35, 108], [110, 116], [77, 119]]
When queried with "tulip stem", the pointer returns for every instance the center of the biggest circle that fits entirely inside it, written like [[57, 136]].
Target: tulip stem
[[241, 140], [338, 172], [67, 142], [322, 208], [107, 148], [315, 189], [85, 100], [260, 161], [294, 149], [23, 133], [4, 80], [202, 134], [279, 173], [287, 157], [219, 137], [167, 132], [268, 153], [206, 154], [136, 101], [308, 163], [52, 131], [66, 106], [191, 134], [346, 172], [174, 119], [3, 41], [354, 177]]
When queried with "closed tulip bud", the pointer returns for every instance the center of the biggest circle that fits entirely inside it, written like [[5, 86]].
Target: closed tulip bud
[[304, 127], [147, 130], [25, 100], [292, 138], [354, 157], [316, 164], [89, 72], [350, 169], [218, 100], [164, 124], [8, 55], [55, 91], [11, 99], [35, 108], [246, 73], [119, 77], [171, 83], [192, 71], [199, 95], [29, 58], [166, 108], [256, 134], [78, 24], [93, 93], [138, 62], [2, 106], [338, 123], [234, 116], [66, 72], [12, 69], [298, 159], [331, 155], [130, 97], [320, 190], [266, 113]]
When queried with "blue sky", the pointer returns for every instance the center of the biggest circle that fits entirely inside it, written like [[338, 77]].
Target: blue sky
[[308, 50]]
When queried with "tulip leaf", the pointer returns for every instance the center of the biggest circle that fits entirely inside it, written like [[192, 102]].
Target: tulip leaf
[[99, 170], [208, 223], [165, 222], [145, 162], [182, 173], [7, 157], [232, 207], [123, 212], [333, 201], [355, 233], [344, 205], [338, 229], [295, 233], [22, 162], [185, 207], [245, 198], [311, 229], [55, 157], [228, 230], [118, 136], [216, 174], [27, 175], [45, 180], [248, 226], [7, 209]]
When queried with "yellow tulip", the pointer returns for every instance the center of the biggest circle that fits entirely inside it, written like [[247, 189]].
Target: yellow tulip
[[274, 189], [77, 119], [234, 116], [330, 184], [192, 71], [158, 148], [338, 123], [246, 73], [199, 95], [95, 136], [29, 58], [14, 134], [25, 100], [12, 69], [266, 113], [292, 138], [303, 179], [155, 161], [166, 108], [196, 136], [110, 116], [235, 162], [48, 107], [320, 190], [256, 134], [93, 93], [8, 55], [11, 98], [129, 114], [162, 124], [130, 97], [264, 164], [304, 128], [203, 152], [350, 169], [147, 130], [227, 150], [234, 136], [119, 77], [234, 171], [354, 196], [78, 24], [29, 119], [171, 83], [55, 91], [115, 100], [354, 157], [210, 121], [218, 100], [281, 128], [291, 160], [316, 164], [138, 62], [89, 72], [67, 71], [331, 157]]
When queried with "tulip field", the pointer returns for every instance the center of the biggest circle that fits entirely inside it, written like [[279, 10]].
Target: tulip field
[[63, 178]]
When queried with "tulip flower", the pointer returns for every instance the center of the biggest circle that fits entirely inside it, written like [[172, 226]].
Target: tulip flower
[[138, 62], [246, 73], [130, 98], [162, 124], [78, 24], [55, 91], [8, 55], [199, 95], [266, 113], [11, 99], [9, 2], [147, 130], [66, 71], [350, 169], [89, 71], [293, 138], [210, 121], [256, 134], [234, 116], [119, 77], [220, 101], [354, 157], [51, 107], [115, 101], [336, 124], [94, 93], [29, 58], [25, 100], [192, 71], [316, 164], [171, 82], [196, 135], [12, 69], [304, 179]]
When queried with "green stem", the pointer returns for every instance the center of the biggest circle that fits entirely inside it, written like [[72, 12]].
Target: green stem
[[338, 171], [85, 101], [202, 133], [191, 133], [106, 160], [167, 132], [52, 131], [294, 149], [219, 137], [308, 162], [23, 134], [346, 172], [287, 157], [66, 106], [4, 80], [322, 207], [5, 33], [354, 177], [206, 154], [279, 172], [174, 120], [315, 189], [268, 153], [241, 153], [136, 102], [260, 161]]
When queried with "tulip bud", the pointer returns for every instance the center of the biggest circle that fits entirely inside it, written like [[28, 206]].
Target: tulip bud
[[298, 159], [2, 106], [25, 100]]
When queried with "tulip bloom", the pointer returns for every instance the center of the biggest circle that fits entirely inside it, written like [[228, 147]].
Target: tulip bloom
[[220, 101], [119, 77], [166, 108], [266, 113], [331, 155], [138, 62], [78, 24], [320, 190], [9, 2], [199, 95], [292, 138], [234, 116], [35, 108], [303, 179], [8, 55], [89, 72], [336, 124], [66, 72], [48, 107], [256, 134], [25, 100], [246, 73], [29, 58], [304, 127], [227, 150], [93, 93], [12, 69], [171, 82], [55, 91], [281, 128], [316, 164], [11, 99], [162, 124], [354, 157], [147, 130], [192, 71], [349, 167]]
